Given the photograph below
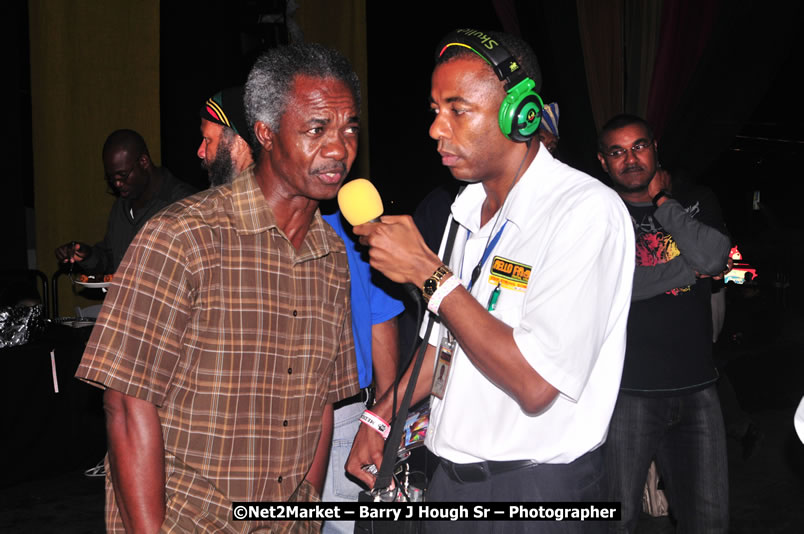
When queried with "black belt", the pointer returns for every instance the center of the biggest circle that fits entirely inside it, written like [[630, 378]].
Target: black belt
[[365, 395], [480, 471]]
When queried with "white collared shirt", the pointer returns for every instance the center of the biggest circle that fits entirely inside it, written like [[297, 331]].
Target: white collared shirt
[[568, 317]]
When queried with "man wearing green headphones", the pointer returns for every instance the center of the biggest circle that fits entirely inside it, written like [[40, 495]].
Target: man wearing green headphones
[[532, 303]]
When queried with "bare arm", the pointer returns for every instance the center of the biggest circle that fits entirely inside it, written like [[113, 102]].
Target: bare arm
[[318, 469], [399, 252], [368, 444], [137, 460], [489, 344], [384, 354]]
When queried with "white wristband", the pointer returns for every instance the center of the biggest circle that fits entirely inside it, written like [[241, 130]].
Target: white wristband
[[443, 290], [376, 422]]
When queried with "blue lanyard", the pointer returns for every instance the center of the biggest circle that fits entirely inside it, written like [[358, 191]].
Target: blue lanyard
[[486, 253]]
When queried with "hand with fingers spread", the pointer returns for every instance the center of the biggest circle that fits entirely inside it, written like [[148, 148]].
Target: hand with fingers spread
[[73, 252]]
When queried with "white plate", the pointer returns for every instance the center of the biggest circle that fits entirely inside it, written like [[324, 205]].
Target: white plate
[[76, 323], [798, 420], [93, 285]]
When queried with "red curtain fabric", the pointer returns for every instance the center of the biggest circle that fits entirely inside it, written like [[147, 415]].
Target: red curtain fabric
[[641, 36], [685, 29], [600, 25]]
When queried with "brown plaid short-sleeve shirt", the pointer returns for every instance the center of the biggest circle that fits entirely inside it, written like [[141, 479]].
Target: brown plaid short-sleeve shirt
[[239, 339]]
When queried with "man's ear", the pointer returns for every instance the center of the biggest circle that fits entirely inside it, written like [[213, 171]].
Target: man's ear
[[242, 150], [265, 137], [145, 162], [602, 161]]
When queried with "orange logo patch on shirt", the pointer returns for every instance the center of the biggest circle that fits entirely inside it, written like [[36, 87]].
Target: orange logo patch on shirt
[[509, 274]]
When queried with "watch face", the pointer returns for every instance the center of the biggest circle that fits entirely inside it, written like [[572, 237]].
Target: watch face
[[430, 286]]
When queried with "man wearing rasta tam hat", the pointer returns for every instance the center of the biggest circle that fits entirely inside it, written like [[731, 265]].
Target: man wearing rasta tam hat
[[224, 149], [548, 128]]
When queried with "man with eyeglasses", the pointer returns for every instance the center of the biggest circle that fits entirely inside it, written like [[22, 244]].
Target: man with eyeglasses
[[141, 188], [668, 407]]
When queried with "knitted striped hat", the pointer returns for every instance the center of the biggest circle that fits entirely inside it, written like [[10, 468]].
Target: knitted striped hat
[[226, 107]]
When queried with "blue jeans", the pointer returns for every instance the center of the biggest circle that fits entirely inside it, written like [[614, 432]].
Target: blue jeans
[[686, 436], [337, 487]]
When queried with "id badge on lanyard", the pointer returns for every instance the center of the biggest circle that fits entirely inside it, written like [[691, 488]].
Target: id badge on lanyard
[[446, 351]]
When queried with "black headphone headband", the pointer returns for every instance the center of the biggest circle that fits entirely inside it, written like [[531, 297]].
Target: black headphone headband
[[502, 61], [521, 111]]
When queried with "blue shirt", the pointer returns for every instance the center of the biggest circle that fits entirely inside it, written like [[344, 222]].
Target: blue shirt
[[370, 304]]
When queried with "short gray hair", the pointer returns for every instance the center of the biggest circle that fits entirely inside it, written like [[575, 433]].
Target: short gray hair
[[271, 79]]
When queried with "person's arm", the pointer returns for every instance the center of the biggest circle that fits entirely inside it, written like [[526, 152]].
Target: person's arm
[[137, 460], [704, 247], [385, 362], [489, 344], [98, 257], [658, 279], [384, 354], [368, 445], [73, 252], [399, 252], [318, 469]]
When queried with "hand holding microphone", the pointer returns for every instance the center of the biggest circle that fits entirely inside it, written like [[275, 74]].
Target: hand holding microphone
[[396, 248]]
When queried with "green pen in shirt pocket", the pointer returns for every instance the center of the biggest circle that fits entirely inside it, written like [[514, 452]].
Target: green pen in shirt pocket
[[495, 295]]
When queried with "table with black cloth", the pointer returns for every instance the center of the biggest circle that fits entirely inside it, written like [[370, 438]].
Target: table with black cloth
[[45, 431]]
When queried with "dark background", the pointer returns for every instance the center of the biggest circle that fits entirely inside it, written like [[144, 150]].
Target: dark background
[[738, 126]]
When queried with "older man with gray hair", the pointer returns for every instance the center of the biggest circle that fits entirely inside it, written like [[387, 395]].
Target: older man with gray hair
[[226, 336]]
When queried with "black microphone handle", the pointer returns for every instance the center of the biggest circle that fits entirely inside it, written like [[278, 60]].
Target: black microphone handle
[[413, 291]]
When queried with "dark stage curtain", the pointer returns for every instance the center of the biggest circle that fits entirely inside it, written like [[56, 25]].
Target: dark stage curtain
[[686, 26], [748, 44], [601, 31], [641, 39], [696, 70]]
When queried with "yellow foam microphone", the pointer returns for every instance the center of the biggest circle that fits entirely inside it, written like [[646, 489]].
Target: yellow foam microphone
[[360, 202]]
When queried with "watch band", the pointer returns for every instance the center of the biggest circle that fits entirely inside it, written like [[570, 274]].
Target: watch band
[[662, 193], [432, 284]]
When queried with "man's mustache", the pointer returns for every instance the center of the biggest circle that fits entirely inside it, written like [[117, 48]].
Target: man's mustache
[[633, 168], [337, 167]]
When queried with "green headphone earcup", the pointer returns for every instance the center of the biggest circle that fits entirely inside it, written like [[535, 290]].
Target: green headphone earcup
[[529, 116], [521, 112]]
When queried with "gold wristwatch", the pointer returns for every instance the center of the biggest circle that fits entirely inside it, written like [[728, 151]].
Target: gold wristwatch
[[431, 284]]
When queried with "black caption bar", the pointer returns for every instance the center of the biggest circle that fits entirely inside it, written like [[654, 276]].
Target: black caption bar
[[442, 511]]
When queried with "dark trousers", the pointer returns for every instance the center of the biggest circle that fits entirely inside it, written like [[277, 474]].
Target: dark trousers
[[581, 480], [686, 436]]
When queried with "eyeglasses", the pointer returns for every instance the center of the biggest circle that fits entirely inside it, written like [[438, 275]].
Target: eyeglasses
[[636, 149], [121, 176]]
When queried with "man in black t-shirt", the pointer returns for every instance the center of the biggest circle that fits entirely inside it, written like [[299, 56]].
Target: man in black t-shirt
[[668, 408]]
